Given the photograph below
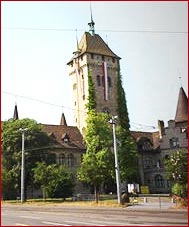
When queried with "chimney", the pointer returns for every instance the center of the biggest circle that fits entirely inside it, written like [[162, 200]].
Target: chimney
[[161, 129]]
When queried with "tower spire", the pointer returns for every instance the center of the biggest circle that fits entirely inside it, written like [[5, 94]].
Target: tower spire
[[63, 120], [92, 23], [15, 115], [77, 41], [182, 107]]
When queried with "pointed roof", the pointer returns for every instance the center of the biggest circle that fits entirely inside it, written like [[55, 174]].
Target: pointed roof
[[94, 44], [15, 115], [63, 120], [182, 107]]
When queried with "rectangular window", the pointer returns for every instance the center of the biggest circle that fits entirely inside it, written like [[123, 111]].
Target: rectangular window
[[174, 142], [92, 56]]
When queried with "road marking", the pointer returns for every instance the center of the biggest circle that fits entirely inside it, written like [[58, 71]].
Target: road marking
[[19, 224], [54, 223], [80, 222], [30, 217]]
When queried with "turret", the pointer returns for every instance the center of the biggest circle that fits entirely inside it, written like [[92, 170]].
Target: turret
[[182, 107]]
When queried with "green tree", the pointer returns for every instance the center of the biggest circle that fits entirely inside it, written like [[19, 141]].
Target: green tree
[[55, 181], [44, 176], [64, 183], [97, 163], [176, 170], [122, 104], [91, 105], [126, 146], [127, 156], [35, 138], [99, 141]]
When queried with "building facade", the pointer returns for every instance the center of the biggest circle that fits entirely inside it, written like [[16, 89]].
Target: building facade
[[155, 148], [93, 57]]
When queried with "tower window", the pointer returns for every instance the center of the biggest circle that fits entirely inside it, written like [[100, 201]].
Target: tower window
[[113, 60], [109, 82], [92, 56], [74, 86], [102, 57], [98, 80]]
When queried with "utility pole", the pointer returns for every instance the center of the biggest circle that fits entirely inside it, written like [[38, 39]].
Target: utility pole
[[113, 121], [22, 165]]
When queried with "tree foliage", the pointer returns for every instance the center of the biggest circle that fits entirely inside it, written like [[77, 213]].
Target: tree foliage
[[127, 156], [98, 165], [97, 162], [176, 170], [91, 105], [122, 104], [55, 181], [11, 153]]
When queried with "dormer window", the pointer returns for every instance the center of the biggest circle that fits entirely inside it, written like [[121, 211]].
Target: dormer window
[[52, 136], [65, 138]]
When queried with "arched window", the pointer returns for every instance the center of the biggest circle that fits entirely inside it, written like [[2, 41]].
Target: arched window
[[70, 160], [159, 181], [62, 159], [98, 80]]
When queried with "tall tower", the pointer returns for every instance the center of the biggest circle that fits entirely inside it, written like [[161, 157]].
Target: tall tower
[[94, 57]]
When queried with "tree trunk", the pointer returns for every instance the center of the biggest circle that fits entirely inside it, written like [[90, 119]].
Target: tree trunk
[[96, 191], [44, 193]]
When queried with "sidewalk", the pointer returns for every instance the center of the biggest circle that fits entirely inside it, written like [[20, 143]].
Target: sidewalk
[[169, 206]]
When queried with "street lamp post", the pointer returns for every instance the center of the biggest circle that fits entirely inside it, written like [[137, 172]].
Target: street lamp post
[[22, 164], [113, 121]]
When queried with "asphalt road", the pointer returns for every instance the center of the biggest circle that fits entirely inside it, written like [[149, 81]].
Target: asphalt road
[[61, 215]]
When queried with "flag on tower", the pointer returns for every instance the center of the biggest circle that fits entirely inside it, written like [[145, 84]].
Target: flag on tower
[[105, 80]]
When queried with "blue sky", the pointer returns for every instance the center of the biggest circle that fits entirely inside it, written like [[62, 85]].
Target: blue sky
[[38, 39]]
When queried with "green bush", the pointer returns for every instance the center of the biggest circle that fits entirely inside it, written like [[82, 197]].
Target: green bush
[[180, 190]]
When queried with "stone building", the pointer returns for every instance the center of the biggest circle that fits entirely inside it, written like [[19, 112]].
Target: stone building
[[155, 148], [93, 57], [66, 148]]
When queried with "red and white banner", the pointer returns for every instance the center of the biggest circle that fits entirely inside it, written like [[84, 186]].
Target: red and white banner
[[105, 78]]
